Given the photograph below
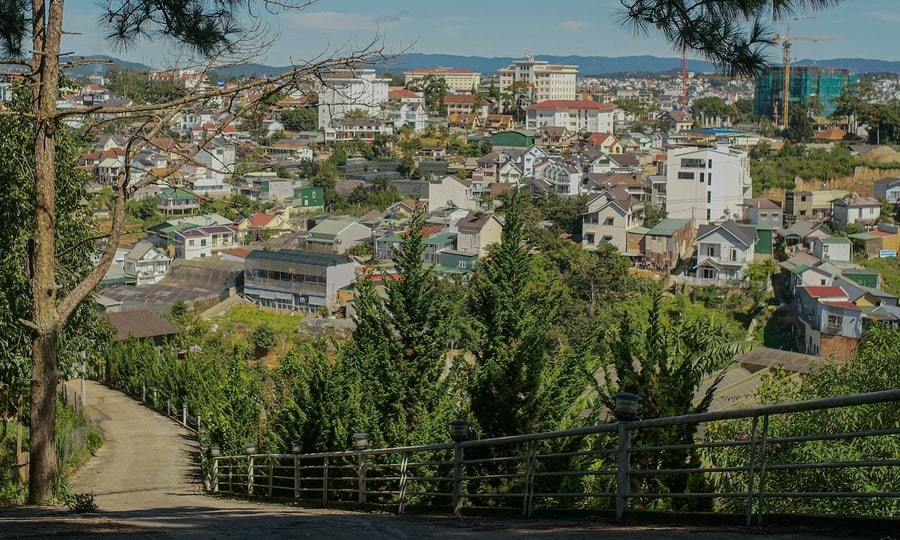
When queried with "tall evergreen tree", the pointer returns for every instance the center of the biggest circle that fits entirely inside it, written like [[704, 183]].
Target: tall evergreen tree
[[399, 346], [512, 325]]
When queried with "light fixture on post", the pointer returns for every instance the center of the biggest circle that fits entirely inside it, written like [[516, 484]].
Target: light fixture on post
[[459, 431], [250, 448], [360, 441], [296, 446], [626, 406], [214, 451]]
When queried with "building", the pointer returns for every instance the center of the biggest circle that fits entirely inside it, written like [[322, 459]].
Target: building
[[477, 231], [806, 81], [577, 116], [810, 205], [610, 215], [336, 235], [706, 184], [457, 79], [861, 211], [763, 213], [146, 264], [888, 189], [356, 90], [724, 250], [297, 280], [546, 81], [203, 241]]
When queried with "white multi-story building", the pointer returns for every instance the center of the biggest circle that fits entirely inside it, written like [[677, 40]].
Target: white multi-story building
[[575, 115], [546, 80], [357, 90], [457, 79], [706, 184]]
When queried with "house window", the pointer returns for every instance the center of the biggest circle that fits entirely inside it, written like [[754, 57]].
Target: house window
[[190, 242], [606, 239], [710, 251], [734, 255], [834, 321], [708, 214], [590, 238], [702, 177], [709, 164], [462, 264], [708, 197], [685, 176], [608, 221], [203, 242], [764, 216], [822, 282], [709, 179], [707, 273]]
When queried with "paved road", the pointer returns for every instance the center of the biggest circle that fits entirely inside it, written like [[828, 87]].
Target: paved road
[[144, 484]]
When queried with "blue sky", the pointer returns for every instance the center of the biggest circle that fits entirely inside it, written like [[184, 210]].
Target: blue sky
[[867, 29]]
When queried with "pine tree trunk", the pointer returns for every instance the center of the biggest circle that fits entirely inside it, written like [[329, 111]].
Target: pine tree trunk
[[46, 34]]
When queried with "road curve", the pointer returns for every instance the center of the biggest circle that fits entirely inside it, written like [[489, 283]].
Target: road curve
[[143, 480]]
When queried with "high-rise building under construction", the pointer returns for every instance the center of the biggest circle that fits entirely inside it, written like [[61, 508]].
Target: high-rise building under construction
[[805, 81]]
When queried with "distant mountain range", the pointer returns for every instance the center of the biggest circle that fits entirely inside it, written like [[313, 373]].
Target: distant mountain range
[[587, 65]]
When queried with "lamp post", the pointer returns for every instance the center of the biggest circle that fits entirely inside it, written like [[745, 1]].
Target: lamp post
[[625, 411], [459, 432], [626, 407], [361, 442]]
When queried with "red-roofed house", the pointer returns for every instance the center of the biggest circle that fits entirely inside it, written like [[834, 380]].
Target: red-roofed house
[[260, 226], [828, 323], [575, 115], [606, 142]]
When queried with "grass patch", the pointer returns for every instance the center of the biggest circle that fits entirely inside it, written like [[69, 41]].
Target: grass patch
[[889, 270], [243, 319]]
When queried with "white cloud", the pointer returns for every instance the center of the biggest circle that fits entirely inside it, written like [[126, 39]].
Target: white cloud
[[574, 26]]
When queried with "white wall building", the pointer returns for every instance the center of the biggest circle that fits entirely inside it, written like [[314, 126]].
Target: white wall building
[[706, 184], [575, 115], [546, 80], [357, 90]]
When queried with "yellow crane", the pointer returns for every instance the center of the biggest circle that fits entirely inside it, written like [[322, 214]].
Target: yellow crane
[[786, 40]]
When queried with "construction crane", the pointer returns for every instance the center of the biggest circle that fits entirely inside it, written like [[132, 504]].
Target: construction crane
[[786, 40]]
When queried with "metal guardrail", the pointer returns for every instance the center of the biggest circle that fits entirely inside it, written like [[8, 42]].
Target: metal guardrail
[[589, 465]]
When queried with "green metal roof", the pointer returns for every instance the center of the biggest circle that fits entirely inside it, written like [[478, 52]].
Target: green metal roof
[[835, 240], [864, 236], [440, 238], [668, 226], [638, 230]]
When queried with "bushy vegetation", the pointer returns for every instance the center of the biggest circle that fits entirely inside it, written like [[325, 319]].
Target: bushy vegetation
[[771, 170], [874, 367]]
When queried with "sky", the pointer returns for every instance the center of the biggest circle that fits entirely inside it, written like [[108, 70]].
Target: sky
[[863, 29]]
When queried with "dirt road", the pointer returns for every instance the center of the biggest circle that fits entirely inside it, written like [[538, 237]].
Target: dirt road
[[143, 480]]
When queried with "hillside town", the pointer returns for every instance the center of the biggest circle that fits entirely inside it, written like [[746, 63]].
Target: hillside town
[[658, 167]]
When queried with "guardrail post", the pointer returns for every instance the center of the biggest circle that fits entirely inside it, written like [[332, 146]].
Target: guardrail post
[[155, 397], [271, 474], [250, 475], [623, 484], [143, 392], [215, 475], [184, 413], [168, 407], [751, 469], [296, 476], [404, 476], [325, 481], [361, 472], [761, 508], [457, 479], [528, 493]]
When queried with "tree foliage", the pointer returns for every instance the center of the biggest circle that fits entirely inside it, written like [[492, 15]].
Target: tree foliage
[[732, 33]]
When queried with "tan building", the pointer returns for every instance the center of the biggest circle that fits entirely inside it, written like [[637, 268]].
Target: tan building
[[457, 79], [547, 81], [477, 231]]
